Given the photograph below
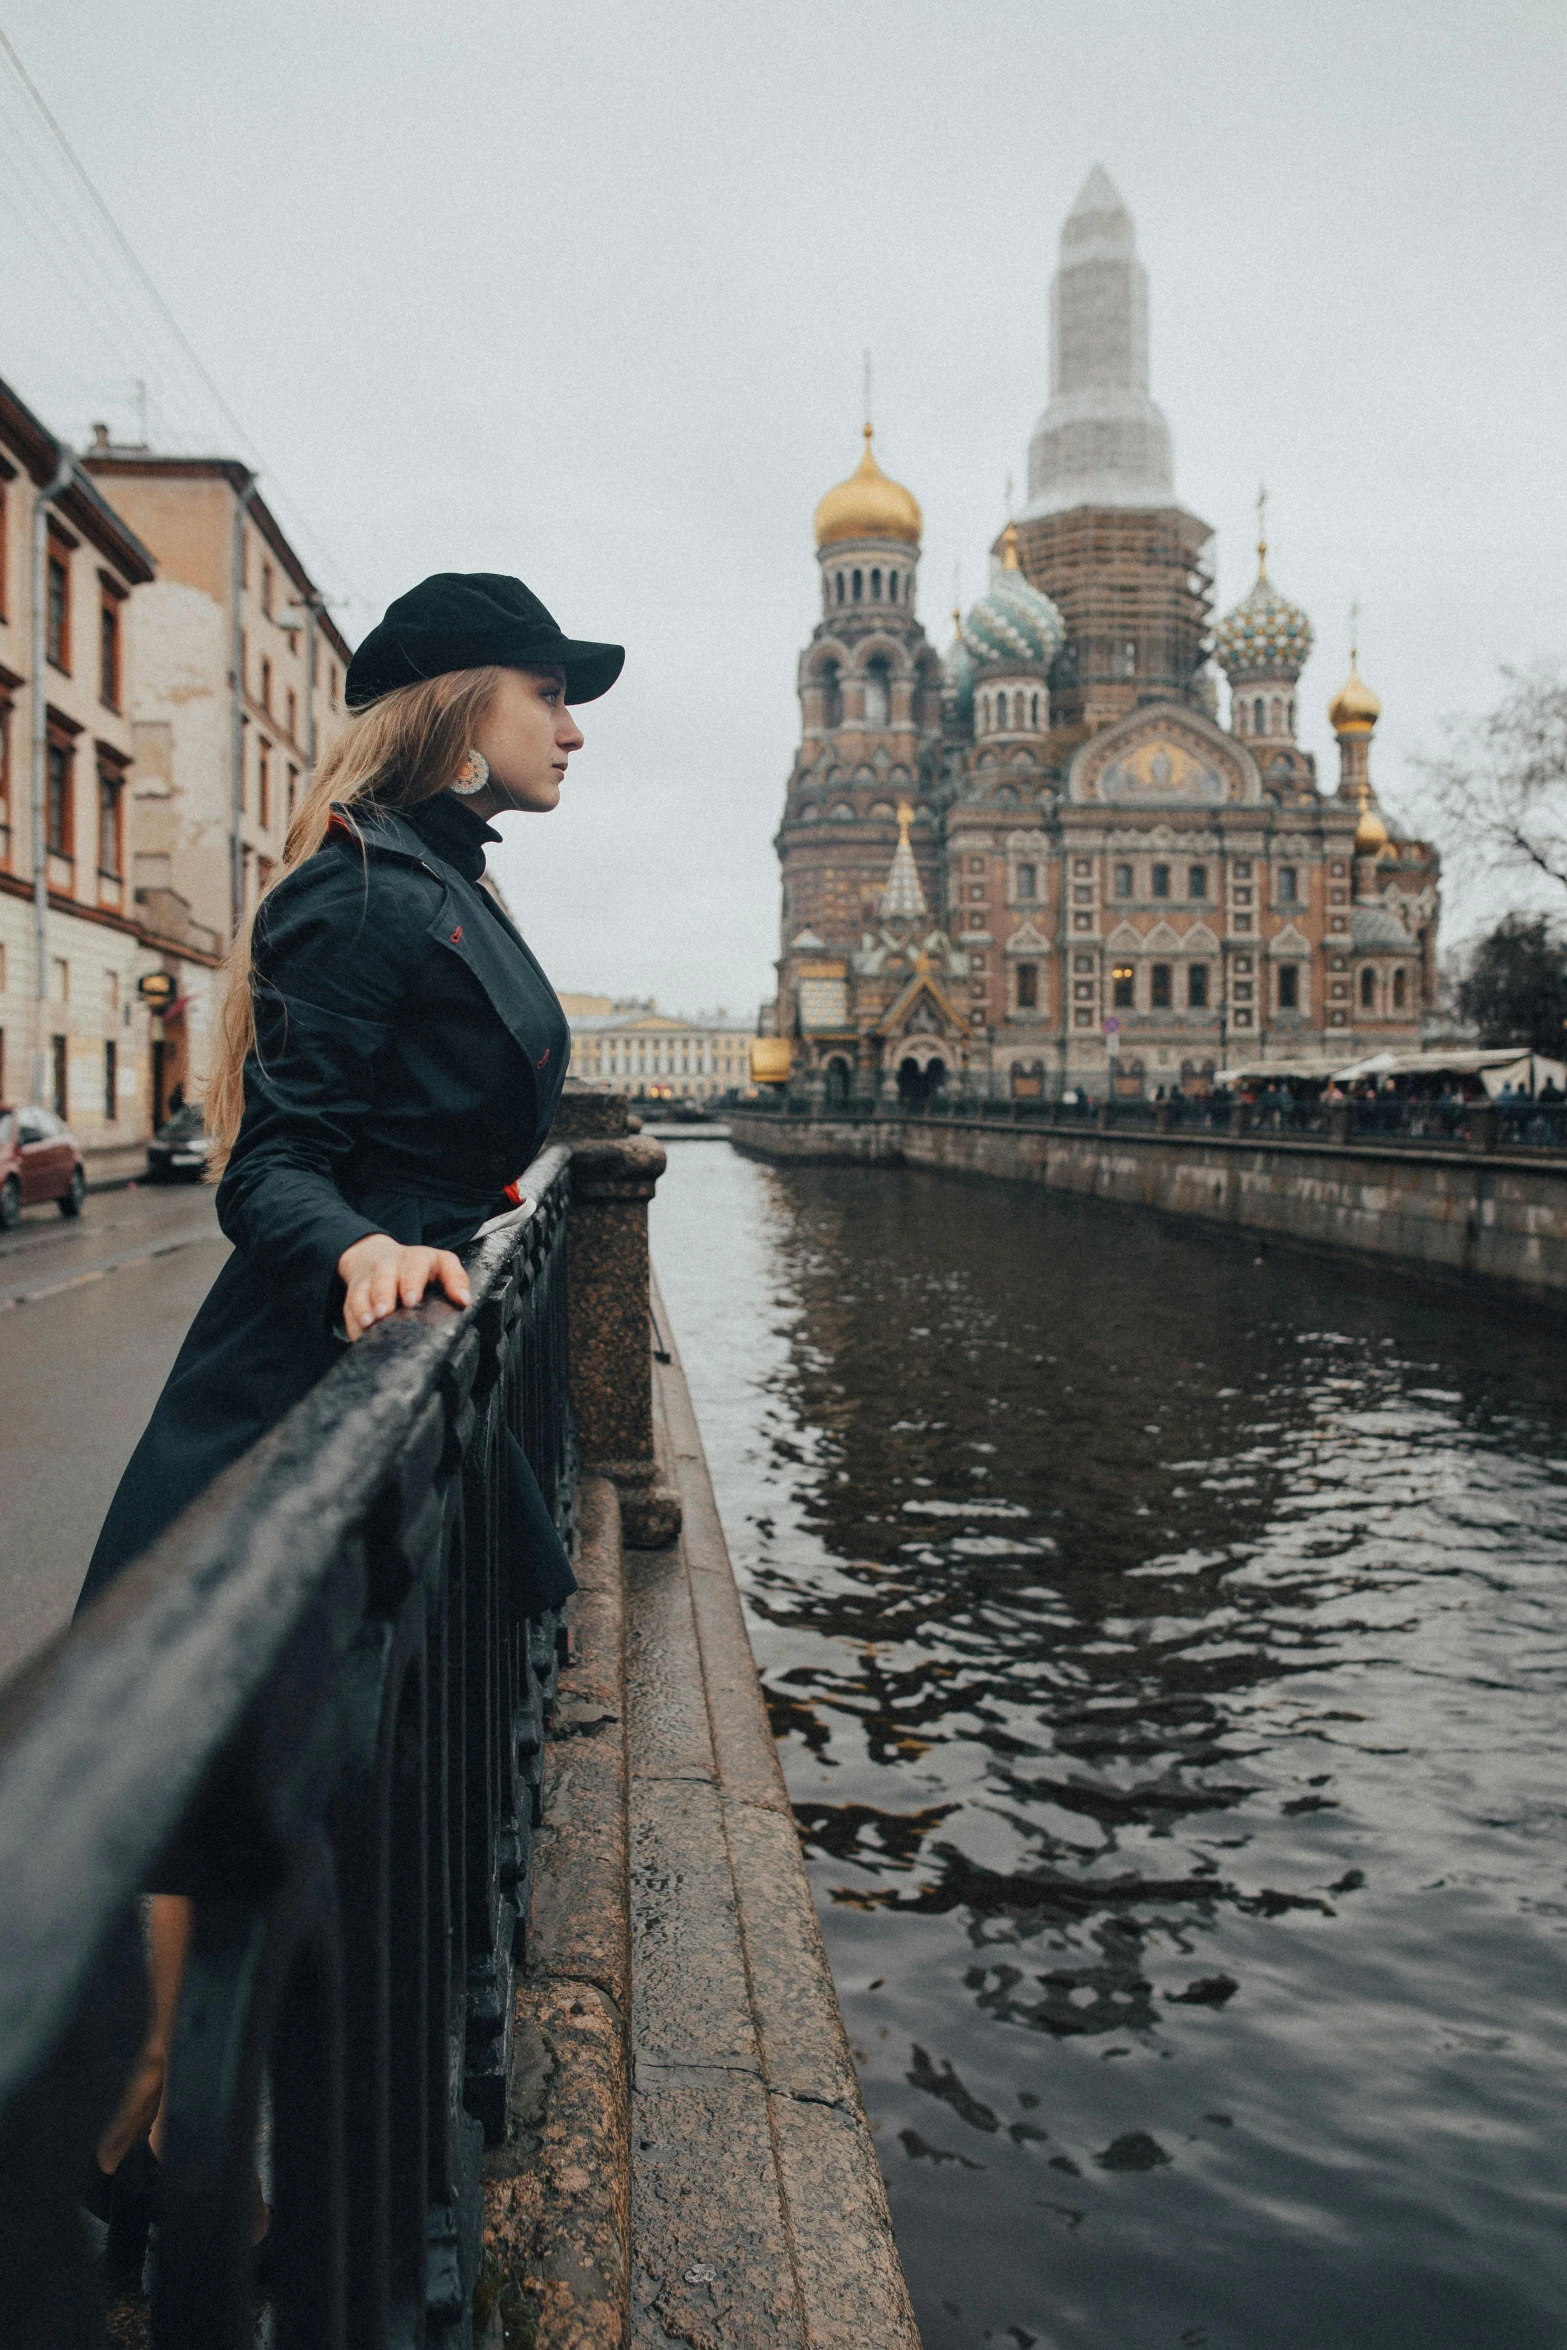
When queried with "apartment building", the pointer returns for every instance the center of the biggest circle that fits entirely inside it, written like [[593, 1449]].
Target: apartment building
[[76, 1032], [634, 1048], [237, 672]]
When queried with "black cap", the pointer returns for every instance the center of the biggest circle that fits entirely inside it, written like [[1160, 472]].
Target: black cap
[[473, 620]]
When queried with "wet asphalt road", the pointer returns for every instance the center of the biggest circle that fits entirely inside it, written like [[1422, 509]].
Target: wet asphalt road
[[91, 1317]]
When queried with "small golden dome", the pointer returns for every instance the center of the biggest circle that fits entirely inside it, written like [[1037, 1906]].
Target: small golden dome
[[1354, 709], [868, 506], [1009, 561], [1370, 832]]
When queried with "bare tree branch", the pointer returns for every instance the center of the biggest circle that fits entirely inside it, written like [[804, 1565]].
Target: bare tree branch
[[1499, 785]]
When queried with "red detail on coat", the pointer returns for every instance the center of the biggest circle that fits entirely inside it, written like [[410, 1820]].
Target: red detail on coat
[[457, 934], [543, 1057], [513, 1191], [341, 826]]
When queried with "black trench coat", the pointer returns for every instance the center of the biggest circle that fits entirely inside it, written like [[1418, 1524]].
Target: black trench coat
[[409, 1058]]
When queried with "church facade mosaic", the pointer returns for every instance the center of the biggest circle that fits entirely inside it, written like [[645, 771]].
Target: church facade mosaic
[[1042, 862]]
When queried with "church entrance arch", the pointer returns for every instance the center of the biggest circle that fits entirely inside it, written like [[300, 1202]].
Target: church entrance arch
[[919, 1083]]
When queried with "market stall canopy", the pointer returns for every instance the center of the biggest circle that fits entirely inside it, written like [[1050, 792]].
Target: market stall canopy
[[1496, 1066]]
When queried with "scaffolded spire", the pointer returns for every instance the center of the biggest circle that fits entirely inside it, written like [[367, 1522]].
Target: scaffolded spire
[[903, 899]]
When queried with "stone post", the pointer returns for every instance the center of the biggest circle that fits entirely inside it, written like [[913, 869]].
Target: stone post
[[1483, 1124], [1338, 1123], [1161, 1117], [613, 1176]]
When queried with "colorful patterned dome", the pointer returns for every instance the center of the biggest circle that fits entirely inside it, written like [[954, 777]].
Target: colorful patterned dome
[[1013, 623], [1265, 636]]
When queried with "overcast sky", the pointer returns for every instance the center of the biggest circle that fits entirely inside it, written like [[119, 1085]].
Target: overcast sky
[[581, 292]]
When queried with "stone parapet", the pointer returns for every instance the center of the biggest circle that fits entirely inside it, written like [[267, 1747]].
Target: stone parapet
[[1455, 1210]]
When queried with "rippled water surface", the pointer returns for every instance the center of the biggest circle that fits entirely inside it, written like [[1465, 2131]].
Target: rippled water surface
[[1169, 1654]]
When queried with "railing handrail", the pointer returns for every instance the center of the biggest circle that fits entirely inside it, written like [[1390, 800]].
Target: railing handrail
[[113, 1736], [161, 1672], [1538, 1131]]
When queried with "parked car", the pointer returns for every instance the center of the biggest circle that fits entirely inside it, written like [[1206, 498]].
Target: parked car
[[178, 1151], [39, 1159]]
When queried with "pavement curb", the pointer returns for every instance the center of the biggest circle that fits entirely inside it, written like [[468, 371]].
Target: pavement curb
[[557, 2194]]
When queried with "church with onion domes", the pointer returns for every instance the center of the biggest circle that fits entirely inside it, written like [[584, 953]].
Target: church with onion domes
[[1043, 861]]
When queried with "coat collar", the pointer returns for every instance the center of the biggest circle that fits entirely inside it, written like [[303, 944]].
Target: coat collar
[[472, 926]]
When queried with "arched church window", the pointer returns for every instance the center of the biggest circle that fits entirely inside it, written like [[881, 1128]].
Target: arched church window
[[840, 587], [876, 585], [1017, 712], [832, 694], [1400, 990], [1259, 716], [878, 696], [1278, 715], [1292, 713], [1033, 710], [1368, 989], [857, 585], [892, 587]]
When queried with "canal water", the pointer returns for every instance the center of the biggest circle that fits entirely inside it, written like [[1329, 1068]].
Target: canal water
[[1167, 1642]]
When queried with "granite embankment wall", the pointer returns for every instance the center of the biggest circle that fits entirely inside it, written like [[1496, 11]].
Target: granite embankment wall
[[1497, 1214]]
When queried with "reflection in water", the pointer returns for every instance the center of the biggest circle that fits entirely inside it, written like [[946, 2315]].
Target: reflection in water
[[1168, 1648]]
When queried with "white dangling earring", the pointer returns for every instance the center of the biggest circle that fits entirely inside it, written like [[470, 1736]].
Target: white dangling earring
[[472, 775]]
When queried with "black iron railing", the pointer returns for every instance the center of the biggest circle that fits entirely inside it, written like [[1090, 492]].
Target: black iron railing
[[1486, 1125], [318, 1708]]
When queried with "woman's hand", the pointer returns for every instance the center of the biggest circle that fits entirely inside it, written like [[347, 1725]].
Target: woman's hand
[[379, 1273]]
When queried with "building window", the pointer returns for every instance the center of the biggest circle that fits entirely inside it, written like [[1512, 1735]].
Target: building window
[[1197, 987], [111, 1096], [1368, 989], [1161, 881], [892, 587], [840, 587], [266, 589], [1278, 715], [832, 695], [1289, 987], [109, 649], [1257, 716], [5, 786], [1028, 987], [1289, 885], [1197, 881], [877, 693], [1400, 990], [293, 791], [1026, 880], [1159, 989], [264, 783], [1121, 987], [857, 585], [1123, 881], [59, 828], [266, 683], [58, 608], [293, 715], [1033, 710], [876, 585], [111, 824]]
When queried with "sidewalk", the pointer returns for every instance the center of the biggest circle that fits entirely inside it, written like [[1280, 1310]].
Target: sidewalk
[[688, 2159]]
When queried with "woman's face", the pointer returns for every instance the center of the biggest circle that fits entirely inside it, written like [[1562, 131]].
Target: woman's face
[[527, 735]]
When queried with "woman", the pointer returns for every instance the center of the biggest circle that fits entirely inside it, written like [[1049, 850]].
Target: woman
[[389, 1061]]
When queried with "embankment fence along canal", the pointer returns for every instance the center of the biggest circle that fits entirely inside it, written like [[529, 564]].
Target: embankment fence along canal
[[1455, 1209]]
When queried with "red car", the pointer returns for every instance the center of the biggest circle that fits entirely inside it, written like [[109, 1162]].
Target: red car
[[39, 1159]]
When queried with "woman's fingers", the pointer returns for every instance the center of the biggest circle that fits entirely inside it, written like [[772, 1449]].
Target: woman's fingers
[[401, 1276], [452, 1278]]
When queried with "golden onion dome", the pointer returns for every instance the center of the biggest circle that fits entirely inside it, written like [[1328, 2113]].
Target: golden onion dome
[[1370, 833], [1354, 709], [868, 506]]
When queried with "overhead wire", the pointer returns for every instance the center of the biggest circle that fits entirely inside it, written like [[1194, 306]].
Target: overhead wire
[[100, 288]]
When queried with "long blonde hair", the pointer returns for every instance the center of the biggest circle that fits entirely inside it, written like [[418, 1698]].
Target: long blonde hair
[[403, 749]]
